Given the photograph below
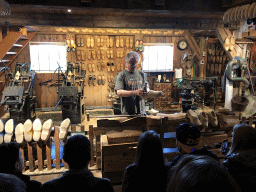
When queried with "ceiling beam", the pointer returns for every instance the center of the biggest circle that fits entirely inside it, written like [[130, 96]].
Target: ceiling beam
[[100, 21], [193, 45], [222, 34]]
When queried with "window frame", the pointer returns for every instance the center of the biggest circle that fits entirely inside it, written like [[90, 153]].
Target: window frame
[[63, 69], [157, 44]]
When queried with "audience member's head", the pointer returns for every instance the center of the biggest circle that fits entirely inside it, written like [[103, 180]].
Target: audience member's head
[[77, 152], [244, 137], [11, 183], [12, 161], [200, 173], [149, 150], [187, 137]]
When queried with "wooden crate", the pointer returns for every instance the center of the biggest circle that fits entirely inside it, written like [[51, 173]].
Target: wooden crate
[[118, 144], [115, 158]]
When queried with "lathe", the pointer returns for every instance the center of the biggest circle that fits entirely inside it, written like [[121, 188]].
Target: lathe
[[70, 94], [191, 96], [18, 96]]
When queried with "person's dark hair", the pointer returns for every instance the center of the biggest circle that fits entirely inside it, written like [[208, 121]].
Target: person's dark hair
[[188, 134], [149, 150], [244, 137], [77, 151], [11, 183], [11, 155], [200, 173]]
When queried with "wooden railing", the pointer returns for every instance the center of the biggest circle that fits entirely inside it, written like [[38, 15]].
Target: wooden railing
[[38, 154]]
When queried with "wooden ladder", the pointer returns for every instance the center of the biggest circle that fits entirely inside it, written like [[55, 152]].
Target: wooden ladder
[[12, 45]]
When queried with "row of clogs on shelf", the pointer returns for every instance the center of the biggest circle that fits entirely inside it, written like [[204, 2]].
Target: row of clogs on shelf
[[30, 131]]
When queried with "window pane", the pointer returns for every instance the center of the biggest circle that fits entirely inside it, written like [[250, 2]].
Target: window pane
[[158, 58], [46, 57]]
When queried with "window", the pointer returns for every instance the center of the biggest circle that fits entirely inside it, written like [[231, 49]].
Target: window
[[47, 56], [158, 57]]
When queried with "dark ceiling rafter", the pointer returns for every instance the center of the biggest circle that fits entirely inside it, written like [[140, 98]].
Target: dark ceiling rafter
[[28, 15]]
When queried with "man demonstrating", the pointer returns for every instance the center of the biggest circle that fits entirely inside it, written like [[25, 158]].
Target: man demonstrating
[[130, 84]]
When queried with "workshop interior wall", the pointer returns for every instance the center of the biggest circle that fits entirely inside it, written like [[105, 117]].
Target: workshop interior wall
[[46, 94]]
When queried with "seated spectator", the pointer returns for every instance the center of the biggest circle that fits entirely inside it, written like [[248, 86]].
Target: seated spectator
[[77, 154], [187, 140], [12, 163], [241, 158], [148, 172], [11, 183], [200, 173]]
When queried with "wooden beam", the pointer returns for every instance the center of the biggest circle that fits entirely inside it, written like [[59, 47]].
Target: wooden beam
[[222, 34], [234, 3], [196, 49], [1, 34], [94, 11], [193, 45], [99, 21]]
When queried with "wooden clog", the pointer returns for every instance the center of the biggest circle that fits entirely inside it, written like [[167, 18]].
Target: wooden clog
[[64, 126], [19, 133], [46, 130], [37, 128]]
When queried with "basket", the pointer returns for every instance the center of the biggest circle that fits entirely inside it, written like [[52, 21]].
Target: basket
[[239, 103]]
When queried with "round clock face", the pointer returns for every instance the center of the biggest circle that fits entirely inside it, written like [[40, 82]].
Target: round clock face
[[182, 45]]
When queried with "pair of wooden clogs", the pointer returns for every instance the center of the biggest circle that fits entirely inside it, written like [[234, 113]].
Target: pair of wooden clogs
[[202, 119]]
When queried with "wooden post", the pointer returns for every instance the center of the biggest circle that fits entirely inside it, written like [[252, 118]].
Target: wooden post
[[98, 151], [250, 121], [57, 147], [65, 164], [163, 127], [91, 141], [39, 155], [1, 34], [48, 154], [23, 156], [30, 157], [88, 116], [82, 128], [243, 119], [73, 128]]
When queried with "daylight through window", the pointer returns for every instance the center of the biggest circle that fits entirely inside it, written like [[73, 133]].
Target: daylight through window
[[47, 57], [158, 57]]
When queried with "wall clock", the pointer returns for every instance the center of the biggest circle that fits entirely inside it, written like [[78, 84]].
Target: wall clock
[[182, 45]]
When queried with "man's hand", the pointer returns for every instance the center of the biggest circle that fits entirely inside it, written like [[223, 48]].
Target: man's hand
[[140, 92]]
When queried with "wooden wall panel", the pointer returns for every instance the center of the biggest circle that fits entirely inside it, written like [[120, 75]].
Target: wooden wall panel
[[97, 95], [94, 95], [46, 95]]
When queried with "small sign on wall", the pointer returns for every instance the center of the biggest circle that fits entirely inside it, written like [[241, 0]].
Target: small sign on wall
[[178, 73]]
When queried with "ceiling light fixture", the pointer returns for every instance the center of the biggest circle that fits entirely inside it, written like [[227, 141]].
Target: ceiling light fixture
[[69, 10]]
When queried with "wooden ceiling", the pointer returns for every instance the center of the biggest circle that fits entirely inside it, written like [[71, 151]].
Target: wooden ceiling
[[44, 15]]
